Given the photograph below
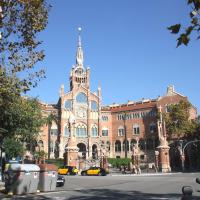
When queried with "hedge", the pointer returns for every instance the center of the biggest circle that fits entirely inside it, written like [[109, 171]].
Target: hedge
[[117, 162]]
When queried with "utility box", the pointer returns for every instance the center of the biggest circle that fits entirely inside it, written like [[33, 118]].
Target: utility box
[[22, 178], [48, 177]]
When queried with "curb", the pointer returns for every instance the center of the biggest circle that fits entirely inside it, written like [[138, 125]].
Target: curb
[[144, 174]]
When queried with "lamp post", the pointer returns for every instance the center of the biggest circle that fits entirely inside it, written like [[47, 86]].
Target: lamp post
[[182, 151], [182, 154], [156, 163], [146, 157], [125, 134]]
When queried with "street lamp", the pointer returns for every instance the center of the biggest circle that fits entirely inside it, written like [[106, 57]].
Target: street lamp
[[182, 151], [182, 154], [125, 134], [157, 161]]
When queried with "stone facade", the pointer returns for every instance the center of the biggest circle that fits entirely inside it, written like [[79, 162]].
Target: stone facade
[[86, 129]]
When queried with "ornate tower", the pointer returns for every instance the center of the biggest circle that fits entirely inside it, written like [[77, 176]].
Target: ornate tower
[[80, 114], [79, 76]]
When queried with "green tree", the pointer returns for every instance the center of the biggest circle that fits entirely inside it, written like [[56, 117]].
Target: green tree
[[13, 148], [196, 134], [22, 119], [40, 156], [192, 27], [49, 121], [20, 22], [177, 120]]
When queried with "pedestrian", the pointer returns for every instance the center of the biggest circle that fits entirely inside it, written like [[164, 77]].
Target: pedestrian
[[124, 169], [138, 170], [134, 169], [154, 168]]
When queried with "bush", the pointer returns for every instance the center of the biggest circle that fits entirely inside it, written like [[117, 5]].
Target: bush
[[13, 148], [117, 162]]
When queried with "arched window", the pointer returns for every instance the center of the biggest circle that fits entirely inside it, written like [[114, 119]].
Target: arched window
[[94, 151], [81, 98], [51, 146], [121, 131], [127, 145], [150, 144], [68, 104], [67, 131], [82, 149], [94, 131], [81, 131], [136, 129], [152, 128], [108, 145], [54, 131], [117, 146], [105, 131], [133, 143], [142, 144], [94, 106]]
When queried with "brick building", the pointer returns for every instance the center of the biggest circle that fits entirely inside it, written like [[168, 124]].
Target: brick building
[[86, 127]]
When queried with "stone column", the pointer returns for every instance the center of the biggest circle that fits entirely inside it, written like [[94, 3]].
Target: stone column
[[72, 155], [164, 165]]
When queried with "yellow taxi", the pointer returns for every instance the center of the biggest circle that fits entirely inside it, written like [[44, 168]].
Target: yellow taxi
[[94, 171], [67, 170]]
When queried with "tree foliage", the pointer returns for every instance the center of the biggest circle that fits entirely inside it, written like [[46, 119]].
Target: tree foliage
[[13, 148], [20, 22], [177, 120], [196, 134], [118, 162], [22, 118], [20, 53], [192, 27]]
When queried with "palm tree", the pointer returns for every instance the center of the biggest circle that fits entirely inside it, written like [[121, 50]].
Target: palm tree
[[49, 120]]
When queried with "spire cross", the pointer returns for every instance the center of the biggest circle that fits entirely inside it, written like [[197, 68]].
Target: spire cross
[[79, 53]]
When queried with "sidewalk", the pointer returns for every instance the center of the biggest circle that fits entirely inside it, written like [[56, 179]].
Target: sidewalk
[[117, 172]]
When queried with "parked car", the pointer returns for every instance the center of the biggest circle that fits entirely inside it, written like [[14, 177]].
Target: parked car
[[94, 171], [67, 170], [60, 181]]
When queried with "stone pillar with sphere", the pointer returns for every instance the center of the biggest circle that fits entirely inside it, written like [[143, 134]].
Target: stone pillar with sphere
[[163, 148], [71, 151], [136, 158]]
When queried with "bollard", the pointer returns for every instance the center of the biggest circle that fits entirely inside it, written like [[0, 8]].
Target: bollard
[[198, 180], [187, 192]]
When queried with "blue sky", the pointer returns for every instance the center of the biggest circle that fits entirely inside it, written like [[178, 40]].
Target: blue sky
[[126, 43]]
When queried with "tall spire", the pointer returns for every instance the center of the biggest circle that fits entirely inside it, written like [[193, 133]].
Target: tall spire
[[79, 53], [79, 36]]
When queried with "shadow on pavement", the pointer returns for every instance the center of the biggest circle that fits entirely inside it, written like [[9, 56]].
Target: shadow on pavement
[[102, 194]]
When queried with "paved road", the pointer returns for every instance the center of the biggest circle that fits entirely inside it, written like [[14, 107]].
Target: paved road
[[153, 187]]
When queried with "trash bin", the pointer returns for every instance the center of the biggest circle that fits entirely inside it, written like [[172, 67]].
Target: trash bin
[[48, 177], [22, 178]]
